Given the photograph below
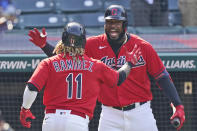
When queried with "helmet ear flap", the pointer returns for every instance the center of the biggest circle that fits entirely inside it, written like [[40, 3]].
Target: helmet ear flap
[[64, 37]]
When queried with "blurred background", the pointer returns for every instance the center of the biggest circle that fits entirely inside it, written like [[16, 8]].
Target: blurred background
[[169, 25]]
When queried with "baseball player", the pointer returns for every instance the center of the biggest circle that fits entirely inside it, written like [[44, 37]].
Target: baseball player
[[126, 107], [72, 83]]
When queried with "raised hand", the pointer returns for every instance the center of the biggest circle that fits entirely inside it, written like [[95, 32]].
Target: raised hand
[[39, 39], [24, 114], [134, 55]]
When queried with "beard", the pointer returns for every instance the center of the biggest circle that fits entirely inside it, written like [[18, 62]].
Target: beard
[[117, 40]]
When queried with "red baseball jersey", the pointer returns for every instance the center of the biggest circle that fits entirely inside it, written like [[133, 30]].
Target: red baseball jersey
[[136, 88], [71, 84]]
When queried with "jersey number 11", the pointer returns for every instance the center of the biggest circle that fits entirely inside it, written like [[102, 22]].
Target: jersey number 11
[[78, 80]]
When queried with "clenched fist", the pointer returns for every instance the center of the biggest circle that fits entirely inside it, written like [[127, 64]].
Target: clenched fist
[[179, 113], [24, 114]]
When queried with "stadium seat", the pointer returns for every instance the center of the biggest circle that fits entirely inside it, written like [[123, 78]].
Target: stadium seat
[[78, 5], [174, 14], [191, 29], [174, 18], [88, 19], [33, 6], [173, 5], [94, 31], [125, 3], [131, 29], [160, 30], [41, 20], [92, 19], [130, 18]]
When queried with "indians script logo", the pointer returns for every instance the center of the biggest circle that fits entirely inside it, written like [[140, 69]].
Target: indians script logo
[[120, 61], [72, 41]]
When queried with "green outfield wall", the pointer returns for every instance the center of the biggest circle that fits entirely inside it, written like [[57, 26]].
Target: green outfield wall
[[28, 62]]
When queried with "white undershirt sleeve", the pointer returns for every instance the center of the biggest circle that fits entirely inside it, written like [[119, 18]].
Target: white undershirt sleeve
[[28, 98]]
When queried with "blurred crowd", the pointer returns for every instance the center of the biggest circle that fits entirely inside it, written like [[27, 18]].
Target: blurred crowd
[[155, 12], [7, 15], [150, 12], [145, 13]]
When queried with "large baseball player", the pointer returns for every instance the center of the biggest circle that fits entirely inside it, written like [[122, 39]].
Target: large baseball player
[[126, 107], [72, 83]]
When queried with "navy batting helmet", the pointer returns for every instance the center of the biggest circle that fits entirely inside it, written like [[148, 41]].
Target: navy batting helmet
[[74, 35], [116, 12]]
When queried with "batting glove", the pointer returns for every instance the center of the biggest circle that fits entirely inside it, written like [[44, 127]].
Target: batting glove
[[134, 55], [179, 113], [39, 39], [24, 114]]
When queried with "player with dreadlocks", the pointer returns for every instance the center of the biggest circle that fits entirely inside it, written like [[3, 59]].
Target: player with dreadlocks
[[73, 51], [72, 83]]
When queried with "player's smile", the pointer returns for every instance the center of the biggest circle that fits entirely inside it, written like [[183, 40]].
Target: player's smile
[[113, 28], [113, 33]]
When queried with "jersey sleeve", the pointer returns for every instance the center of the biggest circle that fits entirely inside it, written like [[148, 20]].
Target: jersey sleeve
[[154, 63], [108, 75], [40, 75], [48, 50]]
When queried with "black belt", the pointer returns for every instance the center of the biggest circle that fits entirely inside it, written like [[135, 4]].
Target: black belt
[[129, 107]]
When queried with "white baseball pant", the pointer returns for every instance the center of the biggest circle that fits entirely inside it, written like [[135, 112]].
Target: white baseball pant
[[63, 120], [138, 119]]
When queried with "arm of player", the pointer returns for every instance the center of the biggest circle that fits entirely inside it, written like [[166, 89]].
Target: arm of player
[[39, 39], [170, 91], [34, 85], [29, 97], [132, 59], [48, 50]]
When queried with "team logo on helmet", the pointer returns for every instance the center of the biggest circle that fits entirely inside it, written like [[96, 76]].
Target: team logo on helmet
[[114, 11]]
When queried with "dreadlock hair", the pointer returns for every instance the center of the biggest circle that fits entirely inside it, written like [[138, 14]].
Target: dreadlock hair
[[73, 51]]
